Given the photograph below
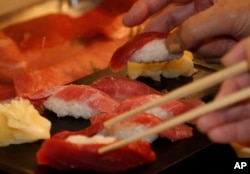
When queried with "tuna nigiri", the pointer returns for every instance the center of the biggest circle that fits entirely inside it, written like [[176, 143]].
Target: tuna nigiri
[[80, 101], [124, 129], [134, 125], [146, 47], [164, 112], [74, 151], [146, 55]]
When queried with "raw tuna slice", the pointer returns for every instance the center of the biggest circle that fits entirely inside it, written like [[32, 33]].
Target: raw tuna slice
[[37, 98], [41, 32], [7, 91], [96, 123], [133, 125], [166, 111], [124, 129], [52, 29], [120, 88], [80, 101], [54, 66], [11, 59], [72, 151], [178, 132], [143, 48]]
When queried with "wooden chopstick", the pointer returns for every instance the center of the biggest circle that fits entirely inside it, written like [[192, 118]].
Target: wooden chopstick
[[186, 90], [190, 115]]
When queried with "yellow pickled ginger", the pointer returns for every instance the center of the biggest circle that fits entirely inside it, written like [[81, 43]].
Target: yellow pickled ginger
[[20, 123]]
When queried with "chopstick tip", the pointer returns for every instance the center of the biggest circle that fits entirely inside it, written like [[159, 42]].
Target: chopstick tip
[[101, 151], [107, 124], [106, 149]]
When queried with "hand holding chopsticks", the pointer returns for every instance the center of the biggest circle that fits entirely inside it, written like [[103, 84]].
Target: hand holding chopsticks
[[181, 92]]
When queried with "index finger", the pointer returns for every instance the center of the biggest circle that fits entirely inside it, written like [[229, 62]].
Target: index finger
[[207, 24], [142, 9]]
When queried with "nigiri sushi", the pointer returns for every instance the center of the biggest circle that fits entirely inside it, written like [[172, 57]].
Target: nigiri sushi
[[139, 123], [73, 151], [80, 101], [165, 111], [143, 121], [146, 55]]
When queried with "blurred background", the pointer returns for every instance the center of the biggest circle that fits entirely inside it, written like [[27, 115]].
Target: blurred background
[[13, 11]]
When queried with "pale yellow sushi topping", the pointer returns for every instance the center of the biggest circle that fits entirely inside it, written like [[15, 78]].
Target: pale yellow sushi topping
[[172, 69], [178, 67], [20, 123]]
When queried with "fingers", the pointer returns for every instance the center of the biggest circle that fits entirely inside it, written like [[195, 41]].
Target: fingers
[[234, 84], [219, 118], [227, 115], [225, 124], [235, 132], [232, 123], [171, 17], [239, 52], [141, 10], [200, 27], [214, 48]]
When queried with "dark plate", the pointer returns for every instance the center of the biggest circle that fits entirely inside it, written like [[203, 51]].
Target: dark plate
[[21, 158]]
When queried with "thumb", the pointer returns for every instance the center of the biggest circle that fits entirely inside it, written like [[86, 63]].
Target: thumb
[[199, 27]]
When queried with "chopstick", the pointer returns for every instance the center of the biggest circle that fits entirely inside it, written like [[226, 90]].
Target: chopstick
[[190, 115], [186, 90]]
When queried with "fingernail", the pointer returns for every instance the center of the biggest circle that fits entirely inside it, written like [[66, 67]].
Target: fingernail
[[173, 42]]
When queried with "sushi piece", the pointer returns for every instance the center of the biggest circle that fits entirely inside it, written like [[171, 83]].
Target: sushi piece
[[143, 48], [80, 101], [73, 151], [120, 88], [136, 124], [117, 87], [164, 113], [146, 55], [139, 123]]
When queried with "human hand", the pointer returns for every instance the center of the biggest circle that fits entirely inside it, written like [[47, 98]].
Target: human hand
[[230, 124], [213, 31], [166, 14]]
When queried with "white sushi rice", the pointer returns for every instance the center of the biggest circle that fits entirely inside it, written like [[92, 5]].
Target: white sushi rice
[[71, 108], [154, 51], [162, 114], [127, 129], [96, 139]]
